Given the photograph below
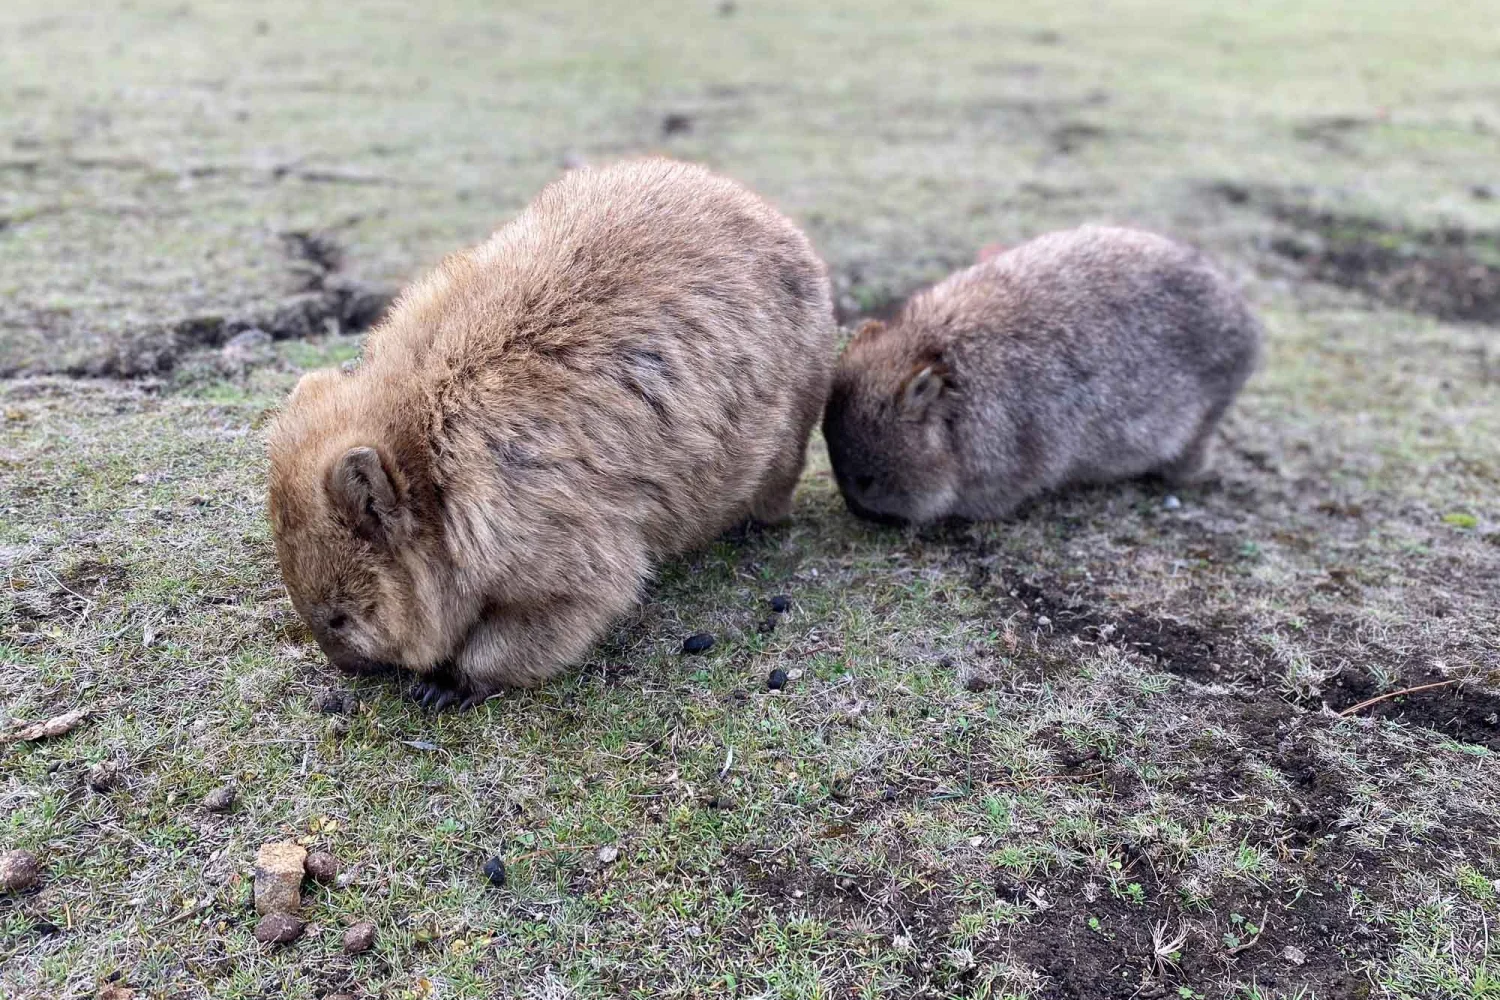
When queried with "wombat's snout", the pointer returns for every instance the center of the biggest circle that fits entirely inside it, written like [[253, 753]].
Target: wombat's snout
[[869, 514], [347, 660], [859, 495]]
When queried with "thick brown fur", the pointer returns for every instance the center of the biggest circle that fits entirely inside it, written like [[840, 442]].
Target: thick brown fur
[[630, 367], [1086, 356]]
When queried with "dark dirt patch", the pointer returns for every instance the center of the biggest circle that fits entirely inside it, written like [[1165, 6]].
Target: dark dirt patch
[[676, 123], [788, 886], [1073, 136], [1222, 649], [95, 578], [1095, 938], [1093, 945], [1449, 272], [1332, 132], [86, 583], [1209, 651], [324, 297], [1464, 714]]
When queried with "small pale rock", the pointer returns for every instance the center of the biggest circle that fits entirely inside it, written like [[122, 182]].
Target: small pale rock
[[103, 776], [1171, 503], [19, 871], [795, 674], [360, 938], [278, 878], [55, 726], [278, 928], [220, 799], [1294, 954], [1043, 621], [112, 992], [608, 853], [321, 866]]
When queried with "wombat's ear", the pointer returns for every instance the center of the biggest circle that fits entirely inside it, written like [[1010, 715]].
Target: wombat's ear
[[922, 388], [362, 490]]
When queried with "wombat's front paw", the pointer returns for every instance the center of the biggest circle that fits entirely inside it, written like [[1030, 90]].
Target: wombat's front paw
[[440, 690], [439, 694]]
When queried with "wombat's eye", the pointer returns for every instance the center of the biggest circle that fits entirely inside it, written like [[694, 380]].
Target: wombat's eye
[[863, 482], [337, 622]]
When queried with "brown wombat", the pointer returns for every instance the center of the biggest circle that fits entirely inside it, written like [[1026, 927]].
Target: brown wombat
[[1084, 356], [630, 367]]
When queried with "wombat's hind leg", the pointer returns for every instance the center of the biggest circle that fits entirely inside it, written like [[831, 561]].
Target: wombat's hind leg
[[1192, 465], [773, 504]]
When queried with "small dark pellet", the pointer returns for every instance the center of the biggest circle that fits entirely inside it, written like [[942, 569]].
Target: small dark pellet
[[781, 604], [777, 680], [337, 702], [494, 870], [702, 642]]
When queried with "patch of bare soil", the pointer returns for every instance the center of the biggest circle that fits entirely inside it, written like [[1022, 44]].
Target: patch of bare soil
[[324, 298], [1451, 272], [1092, 945], [1221, 649], [1333, 132], [73, 592], [1134, 934], [1205, 652], [1462, 713]]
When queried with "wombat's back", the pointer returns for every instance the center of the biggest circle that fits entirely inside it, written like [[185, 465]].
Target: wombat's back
[[636, 351], [1098, 299], [1089, 355]]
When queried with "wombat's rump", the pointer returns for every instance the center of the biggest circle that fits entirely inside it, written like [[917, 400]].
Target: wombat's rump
[[624, 371], [1084, 356]]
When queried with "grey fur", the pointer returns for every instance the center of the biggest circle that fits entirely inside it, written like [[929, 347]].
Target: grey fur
[[1086, 356]]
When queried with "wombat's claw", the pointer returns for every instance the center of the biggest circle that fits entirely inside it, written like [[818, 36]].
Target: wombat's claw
[[434, 696]]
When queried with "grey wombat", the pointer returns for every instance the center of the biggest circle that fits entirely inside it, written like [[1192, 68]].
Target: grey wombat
[[1085, 356]]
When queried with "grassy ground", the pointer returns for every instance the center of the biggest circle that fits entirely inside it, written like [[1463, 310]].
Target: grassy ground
[[1094, 752]]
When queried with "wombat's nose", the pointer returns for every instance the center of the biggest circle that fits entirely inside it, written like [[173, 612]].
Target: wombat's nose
[[346, 659], [350, 663], [860, 510]]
